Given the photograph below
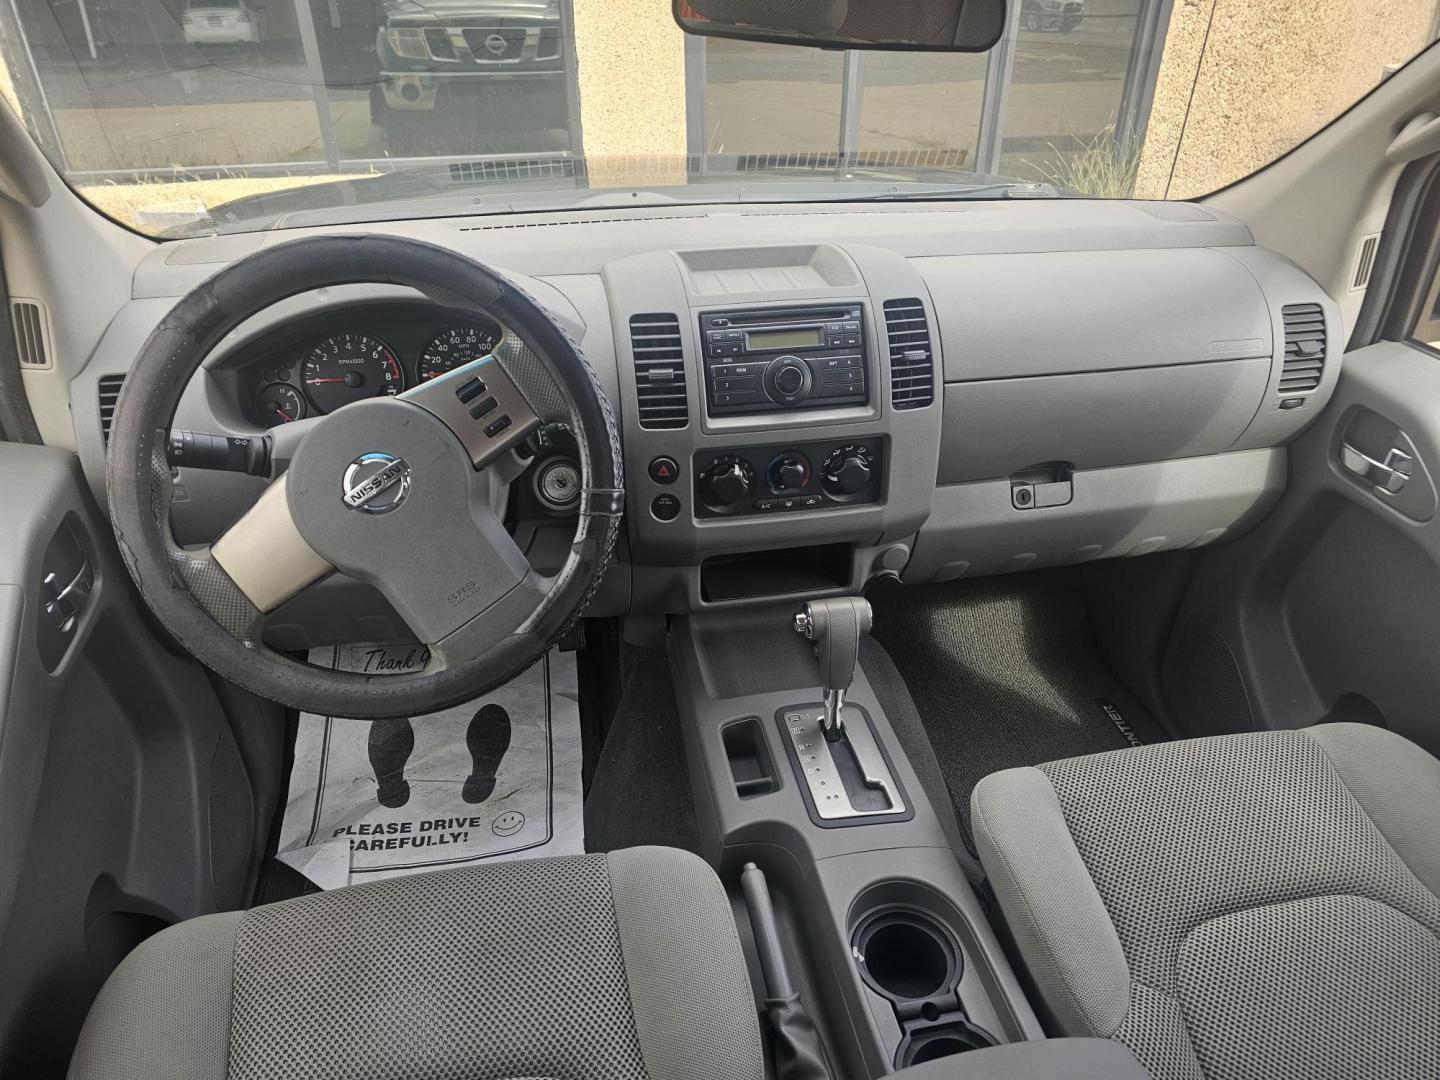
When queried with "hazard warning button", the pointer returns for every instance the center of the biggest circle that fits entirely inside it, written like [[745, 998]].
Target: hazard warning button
[[664, 470]]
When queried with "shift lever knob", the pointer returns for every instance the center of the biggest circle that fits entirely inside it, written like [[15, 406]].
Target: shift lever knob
[[836, 627]]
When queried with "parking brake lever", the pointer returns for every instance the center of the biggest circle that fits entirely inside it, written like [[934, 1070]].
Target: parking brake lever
[[835, 627]]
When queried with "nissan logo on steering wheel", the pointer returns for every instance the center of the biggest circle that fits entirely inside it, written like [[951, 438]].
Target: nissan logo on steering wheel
[[376, 483]]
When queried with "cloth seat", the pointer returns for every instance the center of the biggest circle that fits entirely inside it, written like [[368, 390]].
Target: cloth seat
[[625, 965], [1259, 905]]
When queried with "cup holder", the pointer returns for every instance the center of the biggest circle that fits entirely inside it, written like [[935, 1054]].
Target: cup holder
[[957, 1036], [906, 955], [909, 954]]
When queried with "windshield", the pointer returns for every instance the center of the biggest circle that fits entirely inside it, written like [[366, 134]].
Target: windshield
[[190, 117]]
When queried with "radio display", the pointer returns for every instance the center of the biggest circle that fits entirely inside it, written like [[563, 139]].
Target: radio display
[[808, 338]]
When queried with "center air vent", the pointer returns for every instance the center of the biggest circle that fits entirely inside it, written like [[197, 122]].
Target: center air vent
[[912, 366], [109, 395], [659, 371], [1304, 348]]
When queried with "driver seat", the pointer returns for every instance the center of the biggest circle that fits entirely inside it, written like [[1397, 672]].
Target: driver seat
[[609, 966]]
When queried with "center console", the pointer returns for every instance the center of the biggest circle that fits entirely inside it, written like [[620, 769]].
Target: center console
[[777, 398], [802, 755]]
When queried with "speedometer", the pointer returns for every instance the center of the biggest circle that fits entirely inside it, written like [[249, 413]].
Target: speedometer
[[350, 367], [455, 347]]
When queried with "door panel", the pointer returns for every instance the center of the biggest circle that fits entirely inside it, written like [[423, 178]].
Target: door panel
[[125, 803], [1330, 609]]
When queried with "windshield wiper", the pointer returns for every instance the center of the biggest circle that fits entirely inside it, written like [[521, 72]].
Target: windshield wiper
[[1000, 190]]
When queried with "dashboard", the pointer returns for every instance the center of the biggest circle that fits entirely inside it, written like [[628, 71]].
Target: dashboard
[[353, 356], [810, 398]]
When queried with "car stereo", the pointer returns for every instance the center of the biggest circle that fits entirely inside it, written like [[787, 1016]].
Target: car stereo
[[794, 358]]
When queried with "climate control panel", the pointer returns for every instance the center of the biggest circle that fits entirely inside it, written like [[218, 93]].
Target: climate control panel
[[790, 477]]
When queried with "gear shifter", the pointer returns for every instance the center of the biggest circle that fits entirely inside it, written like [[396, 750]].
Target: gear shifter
[[835, 627], [839, 760]]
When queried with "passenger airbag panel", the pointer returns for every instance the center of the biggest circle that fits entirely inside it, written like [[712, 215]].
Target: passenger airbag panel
[[1003, 316]]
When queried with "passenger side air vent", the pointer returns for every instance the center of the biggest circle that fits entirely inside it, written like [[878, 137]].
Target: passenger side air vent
[[31, 333], [109, 395], [912, 367], [1304, 348], [659, 371]]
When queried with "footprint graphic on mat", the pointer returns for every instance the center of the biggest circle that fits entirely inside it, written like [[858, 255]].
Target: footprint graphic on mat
[[488, 737], [391, 743]]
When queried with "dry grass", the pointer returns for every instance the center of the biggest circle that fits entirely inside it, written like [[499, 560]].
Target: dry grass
[[1101, 168]]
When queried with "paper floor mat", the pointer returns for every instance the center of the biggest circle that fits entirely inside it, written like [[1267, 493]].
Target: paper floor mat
[[496, 778]]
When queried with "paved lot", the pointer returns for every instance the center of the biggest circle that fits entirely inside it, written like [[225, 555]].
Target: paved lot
[[235, 106]]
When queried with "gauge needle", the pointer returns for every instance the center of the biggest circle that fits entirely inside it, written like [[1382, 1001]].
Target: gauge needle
[[288, 418], [318, 382]]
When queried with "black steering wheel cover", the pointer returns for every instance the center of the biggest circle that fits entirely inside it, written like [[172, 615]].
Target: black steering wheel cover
[[139, 490]]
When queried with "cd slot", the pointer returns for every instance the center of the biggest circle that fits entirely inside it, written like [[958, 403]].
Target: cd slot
[[780, 319]]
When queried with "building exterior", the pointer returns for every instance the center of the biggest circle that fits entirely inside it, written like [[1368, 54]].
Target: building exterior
[[1162, 98]]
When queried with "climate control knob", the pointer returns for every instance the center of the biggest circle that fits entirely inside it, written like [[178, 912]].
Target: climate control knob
[[787, 380], [846, 472], [727, 483], [789, 472]]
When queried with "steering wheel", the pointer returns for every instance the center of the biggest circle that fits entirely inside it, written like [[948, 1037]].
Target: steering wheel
[[402, 493]]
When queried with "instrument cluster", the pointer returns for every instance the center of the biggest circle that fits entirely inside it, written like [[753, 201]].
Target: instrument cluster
[[327, 371]]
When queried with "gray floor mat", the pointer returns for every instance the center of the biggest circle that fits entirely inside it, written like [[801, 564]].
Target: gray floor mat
[[1004, 672], [640, 793]]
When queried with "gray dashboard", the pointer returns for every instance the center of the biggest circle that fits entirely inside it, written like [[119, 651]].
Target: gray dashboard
[[1109, 379]]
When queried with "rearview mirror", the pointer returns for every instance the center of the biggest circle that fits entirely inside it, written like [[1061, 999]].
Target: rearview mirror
[[938, 25]]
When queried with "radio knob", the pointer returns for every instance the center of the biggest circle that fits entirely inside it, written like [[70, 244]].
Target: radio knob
[[727, 484], [847, 476], [787, 380]]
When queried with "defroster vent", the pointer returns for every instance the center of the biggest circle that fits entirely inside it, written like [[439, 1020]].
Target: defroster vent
[[1304, 348], [109, 395], [912, 364], [659, 371], [30, 333]]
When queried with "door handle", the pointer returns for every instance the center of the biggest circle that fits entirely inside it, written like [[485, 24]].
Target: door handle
[[1390, 475]]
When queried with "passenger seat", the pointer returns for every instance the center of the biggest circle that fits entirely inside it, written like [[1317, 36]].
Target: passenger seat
[[1259, 905]]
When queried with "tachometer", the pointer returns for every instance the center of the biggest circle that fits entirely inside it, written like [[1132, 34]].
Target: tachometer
[[454, 347], [350, 367]]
